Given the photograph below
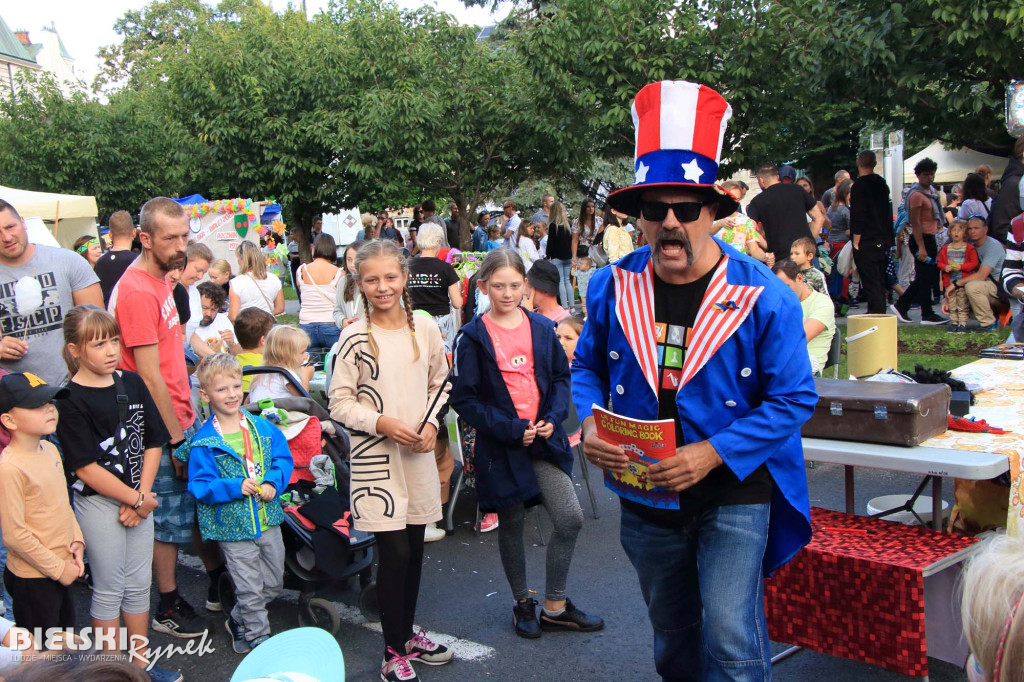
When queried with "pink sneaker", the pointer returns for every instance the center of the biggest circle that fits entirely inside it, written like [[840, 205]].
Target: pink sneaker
[[488, 523]]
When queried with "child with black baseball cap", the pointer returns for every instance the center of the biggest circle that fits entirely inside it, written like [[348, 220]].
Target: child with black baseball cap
[[44, 542], [544, 280]]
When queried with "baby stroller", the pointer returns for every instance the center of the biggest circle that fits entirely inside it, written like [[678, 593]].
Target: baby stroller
[[321, 549]]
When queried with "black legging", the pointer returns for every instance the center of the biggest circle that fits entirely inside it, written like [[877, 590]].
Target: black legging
[[399, 566]]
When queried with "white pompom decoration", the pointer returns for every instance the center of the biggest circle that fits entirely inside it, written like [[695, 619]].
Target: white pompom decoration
[[28, 296]]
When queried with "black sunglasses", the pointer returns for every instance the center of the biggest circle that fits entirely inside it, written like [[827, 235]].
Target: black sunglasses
[[685, 211]]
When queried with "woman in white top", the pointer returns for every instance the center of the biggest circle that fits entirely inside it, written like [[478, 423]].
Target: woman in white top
[[975, 200], [528, 249], [318, 291], [254, 287], [585, 229], [348, 304]]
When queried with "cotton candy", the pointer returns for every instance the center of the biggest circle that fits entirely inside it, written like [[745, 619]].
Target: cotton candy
[[28, 296]]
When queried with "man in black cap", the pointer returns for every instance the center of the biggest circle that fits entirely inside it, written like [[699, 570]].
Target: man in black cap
[[543, 279]]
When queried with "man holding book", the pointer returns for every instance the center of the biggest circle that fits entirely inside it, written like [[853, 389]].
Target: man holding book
[[691, 330]]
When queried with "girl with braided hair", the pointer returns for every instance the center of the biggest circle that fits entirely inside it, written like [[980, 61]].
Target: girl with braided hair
[[390, 365]]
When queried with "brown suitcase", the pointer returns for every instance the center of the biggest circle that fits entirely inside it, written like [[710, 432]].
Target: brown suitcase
[[878, 412]]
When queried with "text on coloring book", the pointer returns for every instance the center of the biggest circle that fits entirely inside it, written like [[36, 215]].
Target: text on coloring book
[[638, 431]]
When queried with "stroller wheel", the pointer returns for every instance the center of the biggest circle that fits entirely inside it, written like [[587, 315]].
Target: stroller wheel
[[368, 603], [320, 613], [226, 588]]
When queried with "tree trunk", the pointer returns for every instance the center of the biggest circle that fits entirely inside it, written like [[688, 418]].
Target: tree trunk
[[465, 229]]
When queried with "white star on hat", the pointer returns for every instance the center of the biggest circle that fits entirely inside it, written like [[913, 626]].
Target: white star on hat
[[692, 171], [641, 173]]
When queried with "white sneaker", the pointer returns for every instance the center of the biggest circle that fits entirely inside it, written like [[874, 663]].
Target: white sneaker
[[432, 533]]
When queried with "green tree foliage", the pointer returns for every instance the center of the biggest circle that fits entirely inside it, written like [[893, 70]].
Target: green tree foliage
[[121, 152], [435, 110], [261, 93], [746, 50], [803, 76], [935, 67]]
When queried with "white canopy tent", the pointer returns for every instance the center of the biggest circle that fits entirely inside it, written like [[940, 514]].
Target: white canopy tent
[[954, 164], [67, 216]]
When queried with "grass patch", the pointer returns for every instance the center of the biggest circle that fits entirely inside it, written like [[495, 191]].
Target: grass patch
[[932, 347], [905, 363], [919, 339], [288, 319], [289, 293]]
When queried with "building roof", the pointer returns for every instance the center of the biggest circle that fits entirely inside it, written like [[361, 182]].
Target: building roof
[[10, 46], [63, 50]]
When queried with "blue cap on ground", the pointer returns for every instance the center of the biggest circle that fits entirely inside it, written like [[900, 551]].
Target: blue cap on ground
[[299, 655]]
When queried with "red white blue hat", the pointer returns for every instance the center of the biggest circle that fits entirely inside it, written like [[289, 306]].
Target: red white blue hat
[[680, 127]]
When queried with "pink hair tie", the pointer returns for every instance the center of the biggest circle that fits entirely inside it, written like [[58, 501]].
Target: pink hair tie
[[1001, 649]]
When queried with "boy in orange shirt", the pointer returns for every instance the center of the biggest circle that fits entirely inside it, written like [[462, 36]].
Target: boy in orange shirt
[[44, 542]]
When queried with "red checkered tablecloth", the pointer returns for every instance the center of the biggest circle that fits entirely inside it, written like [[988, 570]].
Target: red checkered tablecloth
[[857, 590]]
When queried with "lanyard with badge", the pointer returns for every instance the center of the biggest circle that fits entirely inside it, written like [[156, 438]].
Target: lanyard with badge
[[250, 462]]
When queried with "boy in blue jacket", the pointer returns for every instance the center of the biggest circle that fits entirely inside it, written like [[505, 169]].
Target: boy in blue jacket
[[237, 465]]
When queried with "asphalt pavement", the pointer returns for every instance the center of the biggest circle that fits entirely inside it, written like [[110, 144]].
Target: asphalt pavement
[[466, 603]]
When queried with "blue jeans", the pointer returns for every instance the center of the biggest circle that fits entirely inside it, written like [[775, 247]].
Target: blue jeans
[[565, 295], [705, 592], [321, 335]]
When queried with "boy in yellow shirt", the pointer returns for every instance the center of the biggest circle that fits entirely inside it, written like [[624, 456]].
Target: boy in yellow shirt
[[251, 328]]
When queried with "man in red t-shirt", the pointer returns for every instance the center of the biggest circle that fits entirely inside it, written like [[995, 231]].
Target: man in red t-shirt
[[925, 220], [152, 346]]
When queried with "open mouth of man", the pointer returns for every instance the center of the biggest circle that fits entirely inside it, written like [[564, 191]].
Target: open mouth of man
[[673, 248]]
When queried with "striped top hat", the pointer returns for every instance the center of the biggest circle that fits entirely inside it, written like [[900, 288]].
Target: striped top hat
[[680, 127]]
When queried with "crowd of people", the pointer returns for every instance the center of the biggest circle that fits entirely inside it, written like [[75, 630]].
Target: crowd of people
[[675, 303]]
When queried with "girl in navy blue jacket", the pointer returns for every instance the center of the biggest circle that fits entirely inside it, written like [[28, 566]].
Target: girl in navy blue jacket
[[512, 386]]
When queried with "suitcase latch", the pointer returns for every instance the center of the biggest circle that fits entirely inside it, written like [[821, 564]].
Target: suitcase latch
[[836, 409], [881, 412]]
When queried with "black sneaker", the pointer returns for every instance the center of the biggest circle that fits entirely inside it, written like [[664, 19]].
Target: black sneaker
[[253, 643], [237, 632], [213, 598], [180, 621], [933, 320], [571, 619], [524, 618], [901, 315]]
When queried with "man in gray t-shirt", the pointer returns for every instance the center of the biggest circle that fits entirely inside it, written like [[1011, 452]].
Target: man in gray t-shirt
[[542, 214], [982, 285], [32, 342]]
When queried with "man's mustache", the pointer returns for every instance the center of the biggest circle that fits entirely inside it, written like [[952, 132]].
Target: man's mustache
[[674, 235]]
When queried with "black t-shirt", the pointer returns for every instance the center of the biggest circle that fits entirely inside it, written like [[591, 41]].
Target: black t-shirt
[[88, 421], [181, 302], [782, 211], [559, 242], [109, 268], [429, 279], [453, 234], [675, 312]]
